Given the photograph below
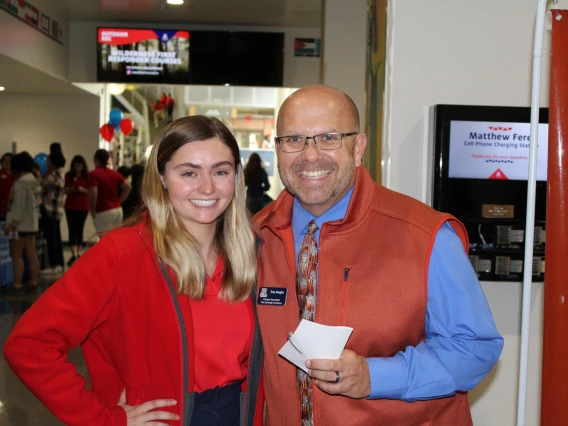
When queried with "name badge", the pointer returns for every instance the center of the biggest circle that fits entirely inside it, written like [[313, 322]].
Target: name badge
[[275, 296]]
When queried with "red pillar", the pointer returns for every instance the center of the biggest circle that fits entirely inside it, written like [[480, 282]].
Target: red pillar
[[554, 408]]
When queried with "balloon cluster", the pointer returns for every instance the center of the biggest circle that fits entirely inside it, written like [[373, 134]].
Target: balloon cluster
[[116, 123]]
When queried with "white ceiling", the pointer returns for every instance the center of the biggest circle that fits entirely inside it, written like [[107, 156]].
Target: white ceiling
[[19, 78], [284, 13]]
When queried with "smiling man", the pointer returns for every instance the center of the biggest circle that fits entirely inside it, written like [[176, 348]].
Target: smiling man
[[342, 250]]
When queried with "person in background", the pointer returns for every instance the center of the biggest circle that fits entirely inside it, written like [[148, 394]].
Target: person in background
[[55, 148], [124, 171], [37, 171], [76, 204], [134, 200], [162, 306], [52, 197], [158, 113], [105, 185], [23, 218], [257, 183], [382, 263], [170, 107], [6, 181]]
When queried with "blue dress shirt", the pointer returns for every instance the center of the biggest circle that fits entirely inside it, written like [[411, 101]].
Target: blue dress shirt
[[462, 342]]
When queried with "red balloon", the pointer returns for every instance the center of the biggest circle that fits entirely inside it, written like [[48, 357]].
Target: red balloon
[[107, 132], [126, 126]]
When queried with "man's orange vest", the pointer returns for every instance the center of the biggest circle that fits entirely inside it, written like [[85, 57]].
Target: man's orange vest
[[372, 276]]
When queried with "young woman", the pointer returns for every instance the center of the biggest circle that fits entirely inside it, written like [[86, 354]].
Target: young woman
[[22, 219], [76, 204], [161, 306], [257, 183]]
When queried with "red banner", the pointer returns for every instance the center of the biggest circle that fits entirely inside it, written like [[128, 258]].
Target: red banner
[[117, 36]]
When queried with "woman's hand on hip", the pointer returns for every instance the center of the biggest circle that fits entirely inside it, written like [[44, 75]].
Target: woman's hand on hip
[[143, 415]]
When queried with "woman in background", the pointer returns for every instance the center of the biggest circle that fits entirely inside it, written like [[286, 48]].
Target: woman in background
[[257, 183], [23, 218], [134, 200], [162, 306], [6, 181], [76, 204], [52, 197]]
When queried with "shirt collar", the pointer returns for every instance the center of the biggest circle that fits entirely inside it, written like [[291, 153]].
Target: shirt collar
[[301, 217]]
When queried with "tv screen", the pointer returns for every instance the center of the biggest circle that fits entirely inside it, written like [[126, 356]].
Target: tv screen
[[494, 150], [127, 55], [482, 158], [237, 58]]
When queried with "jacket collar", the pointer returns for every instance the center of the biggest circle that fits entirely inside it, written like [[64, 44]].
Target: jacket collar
[[279, 213]]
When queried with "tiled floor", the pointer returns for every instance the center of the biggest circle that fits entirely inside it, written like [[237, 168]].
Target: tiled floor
[[18, 406]]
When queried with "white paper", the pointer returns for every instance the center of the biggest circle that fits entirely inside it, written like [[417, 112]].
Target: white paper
[[315, 341]]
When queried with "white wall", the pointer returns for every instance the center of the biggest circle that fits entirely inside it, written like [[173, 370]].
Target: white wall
[[36, 121], [473, 52], [345, 48], [27, 45], [298, 71]]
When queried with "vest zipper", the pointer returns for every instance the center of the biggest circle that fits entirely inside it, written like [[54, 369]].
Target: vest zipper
[[343, 295]]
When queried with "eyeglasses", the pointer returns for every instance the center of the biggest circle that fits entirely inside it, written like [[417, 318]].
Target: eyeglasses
[[325, 141]]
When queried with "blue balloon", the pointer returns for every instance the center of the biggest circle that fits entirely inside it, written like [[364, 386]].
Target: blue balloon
[[116, 128], [41, 160], [115, 117]]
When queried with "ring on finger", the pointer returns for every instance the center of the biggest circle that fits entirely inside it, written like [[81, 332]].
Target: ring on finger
[[337, 377]]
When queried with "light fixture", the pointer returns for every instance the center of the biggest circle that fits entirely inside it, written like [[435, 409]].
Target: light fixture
[[176, 2], [116, 89], [2, 88]]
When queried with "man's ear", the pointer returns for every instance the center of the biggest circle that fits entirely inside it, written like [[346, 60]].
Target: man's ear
[[360, 144]]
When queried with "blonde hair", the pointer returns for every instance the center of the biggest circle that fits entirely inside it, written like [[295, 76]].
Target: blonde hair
[[173, 243]]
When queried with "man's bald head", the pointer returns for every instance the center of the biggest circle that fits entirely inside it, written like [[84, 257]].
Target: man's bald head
[[319, 96]]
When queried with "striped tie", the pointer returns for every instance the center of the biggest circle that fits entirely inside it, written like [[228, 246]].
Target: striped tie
[[306, 290]]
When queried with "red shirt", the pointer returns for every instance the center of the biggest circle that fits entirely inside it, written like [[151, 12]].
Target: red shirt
[[6, 182], [76, 200], [107, 181], [221, 336]]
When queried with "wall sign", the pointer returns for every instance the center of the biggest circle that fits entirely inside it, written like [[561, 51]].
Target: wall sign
[[35, 18], [310, 47]]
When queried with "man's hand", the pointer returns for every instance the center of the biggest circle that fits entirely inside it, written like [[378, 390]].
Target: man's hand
[[354, 378]]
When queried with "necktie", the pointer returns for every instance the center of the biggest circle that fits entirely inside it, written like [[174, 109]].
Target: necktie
[[306, 290]]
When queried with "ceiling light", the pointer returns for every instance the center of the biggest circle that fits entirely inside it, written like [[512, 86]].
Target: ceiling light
[[2, 88], [176, 2], [116, 89]]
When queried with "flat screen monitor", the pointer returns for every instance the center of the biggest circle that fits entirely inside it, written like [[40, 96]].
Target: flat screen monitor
[[482, 158], [129, 55], [237, 58]]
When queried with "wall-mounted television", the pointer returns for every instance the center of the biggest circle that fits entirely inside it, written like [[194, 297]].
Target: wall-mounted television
[[482, 157], [237, 58], [132, 55]]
